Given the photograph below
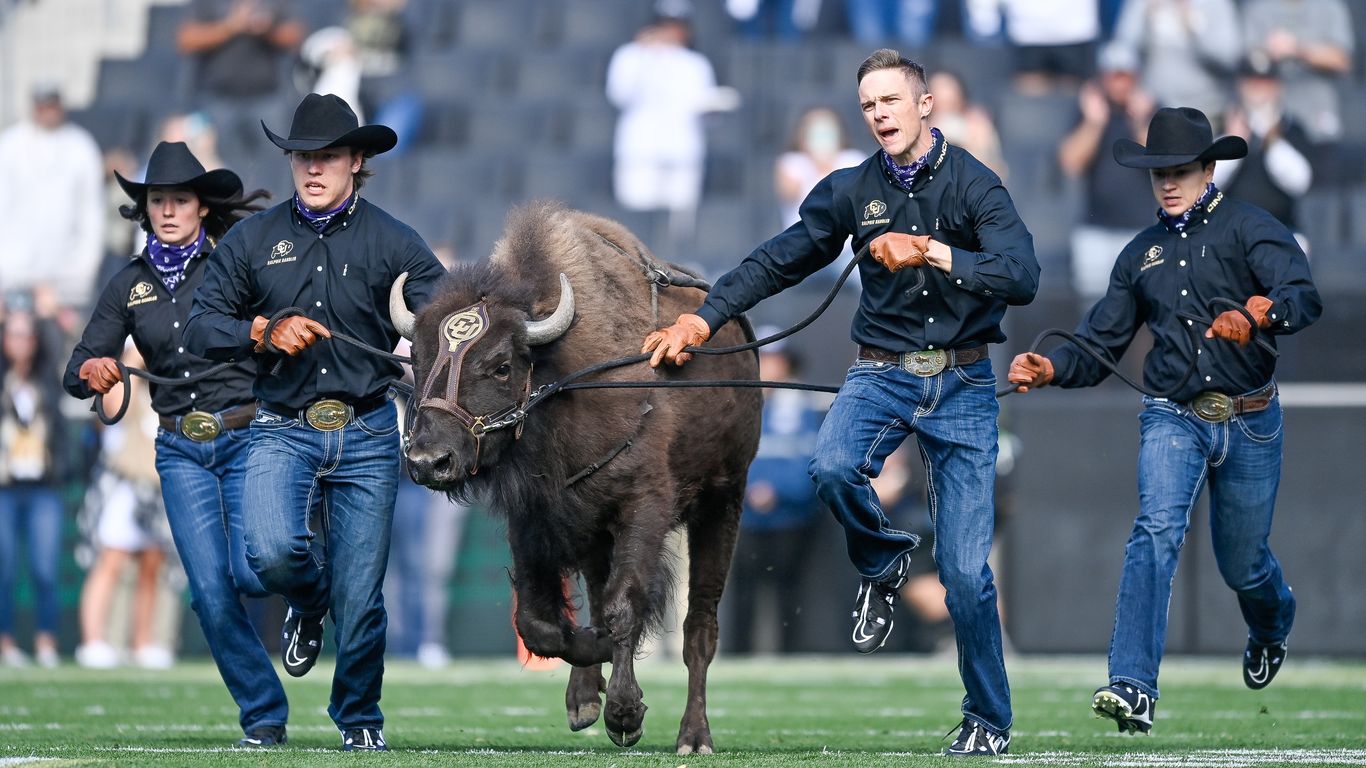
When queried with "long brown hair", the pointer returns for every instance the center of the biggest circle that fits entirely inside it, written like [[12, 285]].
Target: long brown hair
[[223, 211]]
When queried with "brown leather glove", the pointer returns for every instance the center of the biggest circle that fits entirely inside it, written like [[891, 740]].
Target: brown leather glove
[[1258, 306], [1232, 326], [100, 374], [896, 251], [1030, 370], [668, 343], [291, 335]]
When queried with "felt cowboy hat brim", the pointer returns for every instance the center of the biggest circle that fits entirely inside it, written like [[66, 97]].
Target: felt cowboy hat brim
[[325, 121], [173, 165], [1176, 136]]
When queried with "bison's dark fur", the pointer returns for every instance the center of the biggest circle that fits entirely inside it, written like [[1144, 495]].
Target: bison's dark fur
[[686, 465]]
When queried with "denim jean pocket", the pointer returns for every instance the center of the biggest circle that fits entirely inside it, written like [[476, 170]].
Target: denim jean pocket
[[238, 435], [272, 421], [1263, 426], [973, 378], [380, 422], [874, 366]]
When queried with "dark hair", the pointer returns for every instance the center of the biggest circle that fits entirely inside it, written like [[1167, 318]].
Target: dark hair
[[223, 211], [887, 58]]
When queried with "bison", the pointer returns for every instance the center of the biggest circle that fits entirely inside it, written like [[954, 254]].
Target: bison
[[590, 481]]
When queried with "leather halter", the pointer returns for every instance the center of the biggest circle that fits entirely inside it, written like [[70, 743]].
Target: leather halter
[[460, 330]]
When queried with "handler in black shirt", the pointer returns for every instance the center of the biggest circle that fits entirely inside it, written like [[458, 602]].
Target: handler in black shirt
[[325, 438], [1223, 423], [201, 446], [922, 363]]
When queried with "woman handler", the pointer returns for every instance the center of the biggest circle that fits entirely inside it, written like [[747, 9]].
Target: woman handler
[[201, 446]]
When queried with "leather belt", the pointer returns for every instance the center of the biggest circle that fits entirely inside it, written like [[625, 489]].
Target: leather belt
[[202, 426], [925, 362], [1217, 407], [330, 414]]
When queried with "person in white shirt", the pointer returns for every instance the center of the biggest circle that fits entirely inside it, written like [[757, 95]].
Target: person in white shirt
[[52, 231], [662, 88]]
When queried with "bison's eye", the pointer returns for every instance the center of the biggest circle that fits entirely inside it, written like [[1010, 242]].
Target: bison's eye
[[503, 371]]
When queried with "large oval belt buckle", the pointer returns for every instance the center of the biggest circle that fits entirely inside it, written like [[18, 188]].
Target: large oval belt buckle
[[927, 362], [1214, 407], [328, 415], [200, 426]]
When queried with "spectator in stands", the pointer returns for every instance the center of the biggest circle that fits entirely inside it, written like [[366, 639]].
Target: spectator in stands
[[33, 467], [965, 123], [781, 510], [784, 20], [1311, 44], [238, 47], [1276, 171], [127, 523], [428, 528], [663, 88], [907, 22], [200, 450], [43, 160], [1054, 42], [1117, 200], [818, 147], [947, 254], [1189, 49], [382, 40], [1222, 425]]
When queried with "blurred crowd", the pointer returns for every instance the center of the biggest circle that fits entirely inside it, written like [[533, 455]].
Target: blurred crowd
[[1271, 71]]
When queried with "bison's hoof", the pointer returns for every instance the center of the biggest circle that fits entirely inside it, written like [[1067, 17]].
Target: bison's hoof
[[584, 715], [625, 739], [687, 749]]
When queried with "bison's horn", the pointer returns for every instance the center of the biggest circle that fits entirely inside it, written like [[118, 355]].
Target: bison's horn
[[399, 314], [553, 327]]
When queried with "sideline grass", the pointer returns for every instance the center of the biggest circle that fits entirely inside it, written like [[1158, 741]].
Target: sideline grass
[[814, 711]]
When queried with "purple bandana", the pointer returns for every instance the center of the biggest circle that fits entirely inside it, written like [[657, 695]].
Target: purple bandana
[[904, 175], [320, 219], [1178, 223], [170, 260]]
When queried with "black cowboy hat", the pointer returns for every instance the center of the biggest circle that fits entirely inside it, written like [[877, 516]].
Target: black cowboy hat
[[324, 121], [1176, 136], [173, 165]]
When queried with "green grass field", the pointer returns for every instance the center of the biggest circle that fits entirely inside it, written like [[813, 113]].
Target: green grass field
[[813, 711]]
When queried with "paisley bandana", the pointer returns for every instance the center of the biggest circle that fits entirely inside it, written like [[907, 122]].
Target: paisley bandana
[[170, 260], [1178, 223], [320, 219], [904, 175]]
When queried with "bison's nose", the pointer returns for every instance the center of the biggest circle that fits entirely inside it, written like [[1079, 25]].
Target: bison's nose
[[431, 466]]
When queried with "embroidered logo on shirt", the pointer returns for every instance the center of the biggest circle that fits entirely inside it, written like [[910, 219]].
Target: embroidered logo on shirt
[[872, 211], [142, 293], [1152, 258], [280, 253]]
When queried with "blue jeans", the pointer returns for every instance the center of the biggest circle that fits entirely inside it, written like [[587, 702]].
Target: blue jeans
[[908, 22], [40, 506], [953, 414], [1242, 460], [202, 485], [348, 478]]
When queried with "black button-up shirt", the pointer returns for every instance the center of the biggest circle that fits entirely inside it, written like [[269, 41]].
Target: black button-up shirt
[[956, 200], [136, 303], [1235, 251], [341, 278]]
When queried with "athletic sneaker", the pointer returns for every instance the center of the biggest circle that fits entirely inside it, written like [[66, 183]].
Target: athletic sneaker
[[873, 607], [1131, 708], [1261, 663], [369, 739], [302, 638], [976, 739], [264, 736]]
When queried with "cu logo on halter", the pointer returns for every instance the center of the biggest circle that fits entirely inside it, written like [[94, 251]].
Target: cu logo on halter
[[463, 326], [874, 209]]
